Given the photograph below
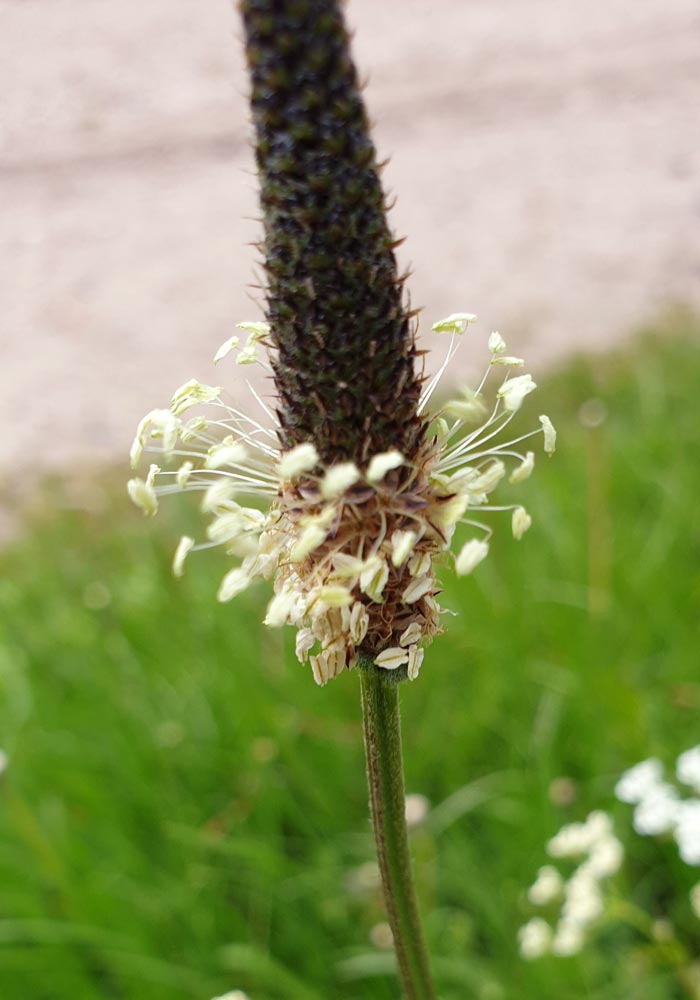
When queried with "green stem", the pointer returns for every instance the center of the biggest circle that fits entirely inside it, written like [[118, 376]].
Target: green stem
[[382, 733]]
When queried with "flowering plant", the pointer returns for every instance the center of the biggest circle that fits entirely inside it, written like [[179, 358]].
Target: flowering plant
[[588, 900], [351, 550], [364, 492]]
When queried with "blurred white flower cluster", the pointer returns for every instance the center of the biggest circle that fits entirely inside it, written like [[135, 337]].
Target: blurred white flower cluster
[[658, 806], [599, 854], [659, 809]]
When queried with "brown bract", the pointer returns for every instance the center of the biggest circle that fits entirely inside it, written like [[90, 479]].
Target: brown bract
[[365, 522]]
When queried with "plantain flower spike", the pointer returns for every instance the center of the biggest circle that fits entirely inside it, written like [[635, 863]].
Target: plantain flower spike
[[346, 494]]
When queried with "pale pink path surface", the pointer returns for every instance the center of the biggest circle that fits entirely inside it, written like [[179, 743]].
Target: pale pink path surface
[[545, 157]]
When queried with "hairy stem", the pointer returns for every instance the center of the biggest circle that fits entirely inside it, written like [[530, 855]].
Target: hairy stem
[[382, 735]]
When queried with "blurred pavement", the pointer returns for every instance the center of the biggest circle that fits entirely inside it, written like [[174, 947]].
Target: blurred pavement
[[544, 154]]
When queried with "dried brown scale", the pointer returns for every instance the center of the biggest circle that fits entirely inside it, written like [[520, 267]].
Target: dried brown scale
[[334, 295], [366, 516]]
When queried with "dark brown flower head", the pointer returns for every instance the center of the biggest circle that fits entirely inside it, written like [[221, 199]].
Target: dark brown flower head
[[344, 361]]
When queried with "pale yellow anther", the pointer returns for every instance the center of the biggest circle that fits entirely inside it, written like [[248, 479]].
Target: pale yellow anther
[[335, 596], [345, 566], [442, 430], [410, 635], [514, 390], [183, 474], [508, 361], [521, 522], [143, 495], [323, 519], [489, 478], [234, 522], [392, 658], [420, 564], [192, 393], [184, 547], [305, 640], [235, 581], [455, 323], [152, 473], [219, 496], [446, 513], [524, 470], [417, 588], [550, 435], [280, 607], [373, 577], [319, 669], [226, 453], [471, 554], [383, 463], [158, 425], [309, 539], [297, 460], [415, 660], [226, 348], [335, 657], [359, 621], [338, 479], [193, 428], [227, 526], [402, 543], [497, 344], [248, 355], [256, 331], [469, 409]]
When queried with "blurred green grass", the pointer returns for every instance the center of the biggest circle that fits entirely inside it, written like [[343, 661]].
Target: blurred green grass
[[184, 812]]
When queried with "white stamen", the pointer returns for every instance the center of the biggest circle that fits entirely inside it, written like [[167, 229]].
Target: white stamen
[[280, 607], [225, 454], [143, 495], [235, 581], [471, 554], [359, 620], [524, 470], [415, 660], [298, 460], [319, 669], [417, 588], [310, 538], [335, 596], [468, 409], [521, 521], [373, 577], [338, 479], [508, 361], [181, 552], [304, 642], [256, 331], [550, 435], [191, 393], [497, 344], [383, 463], [454, 323], [226, 348], [410, 635], [514, 390], [183, 474], [401, 546], [390, 659]]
